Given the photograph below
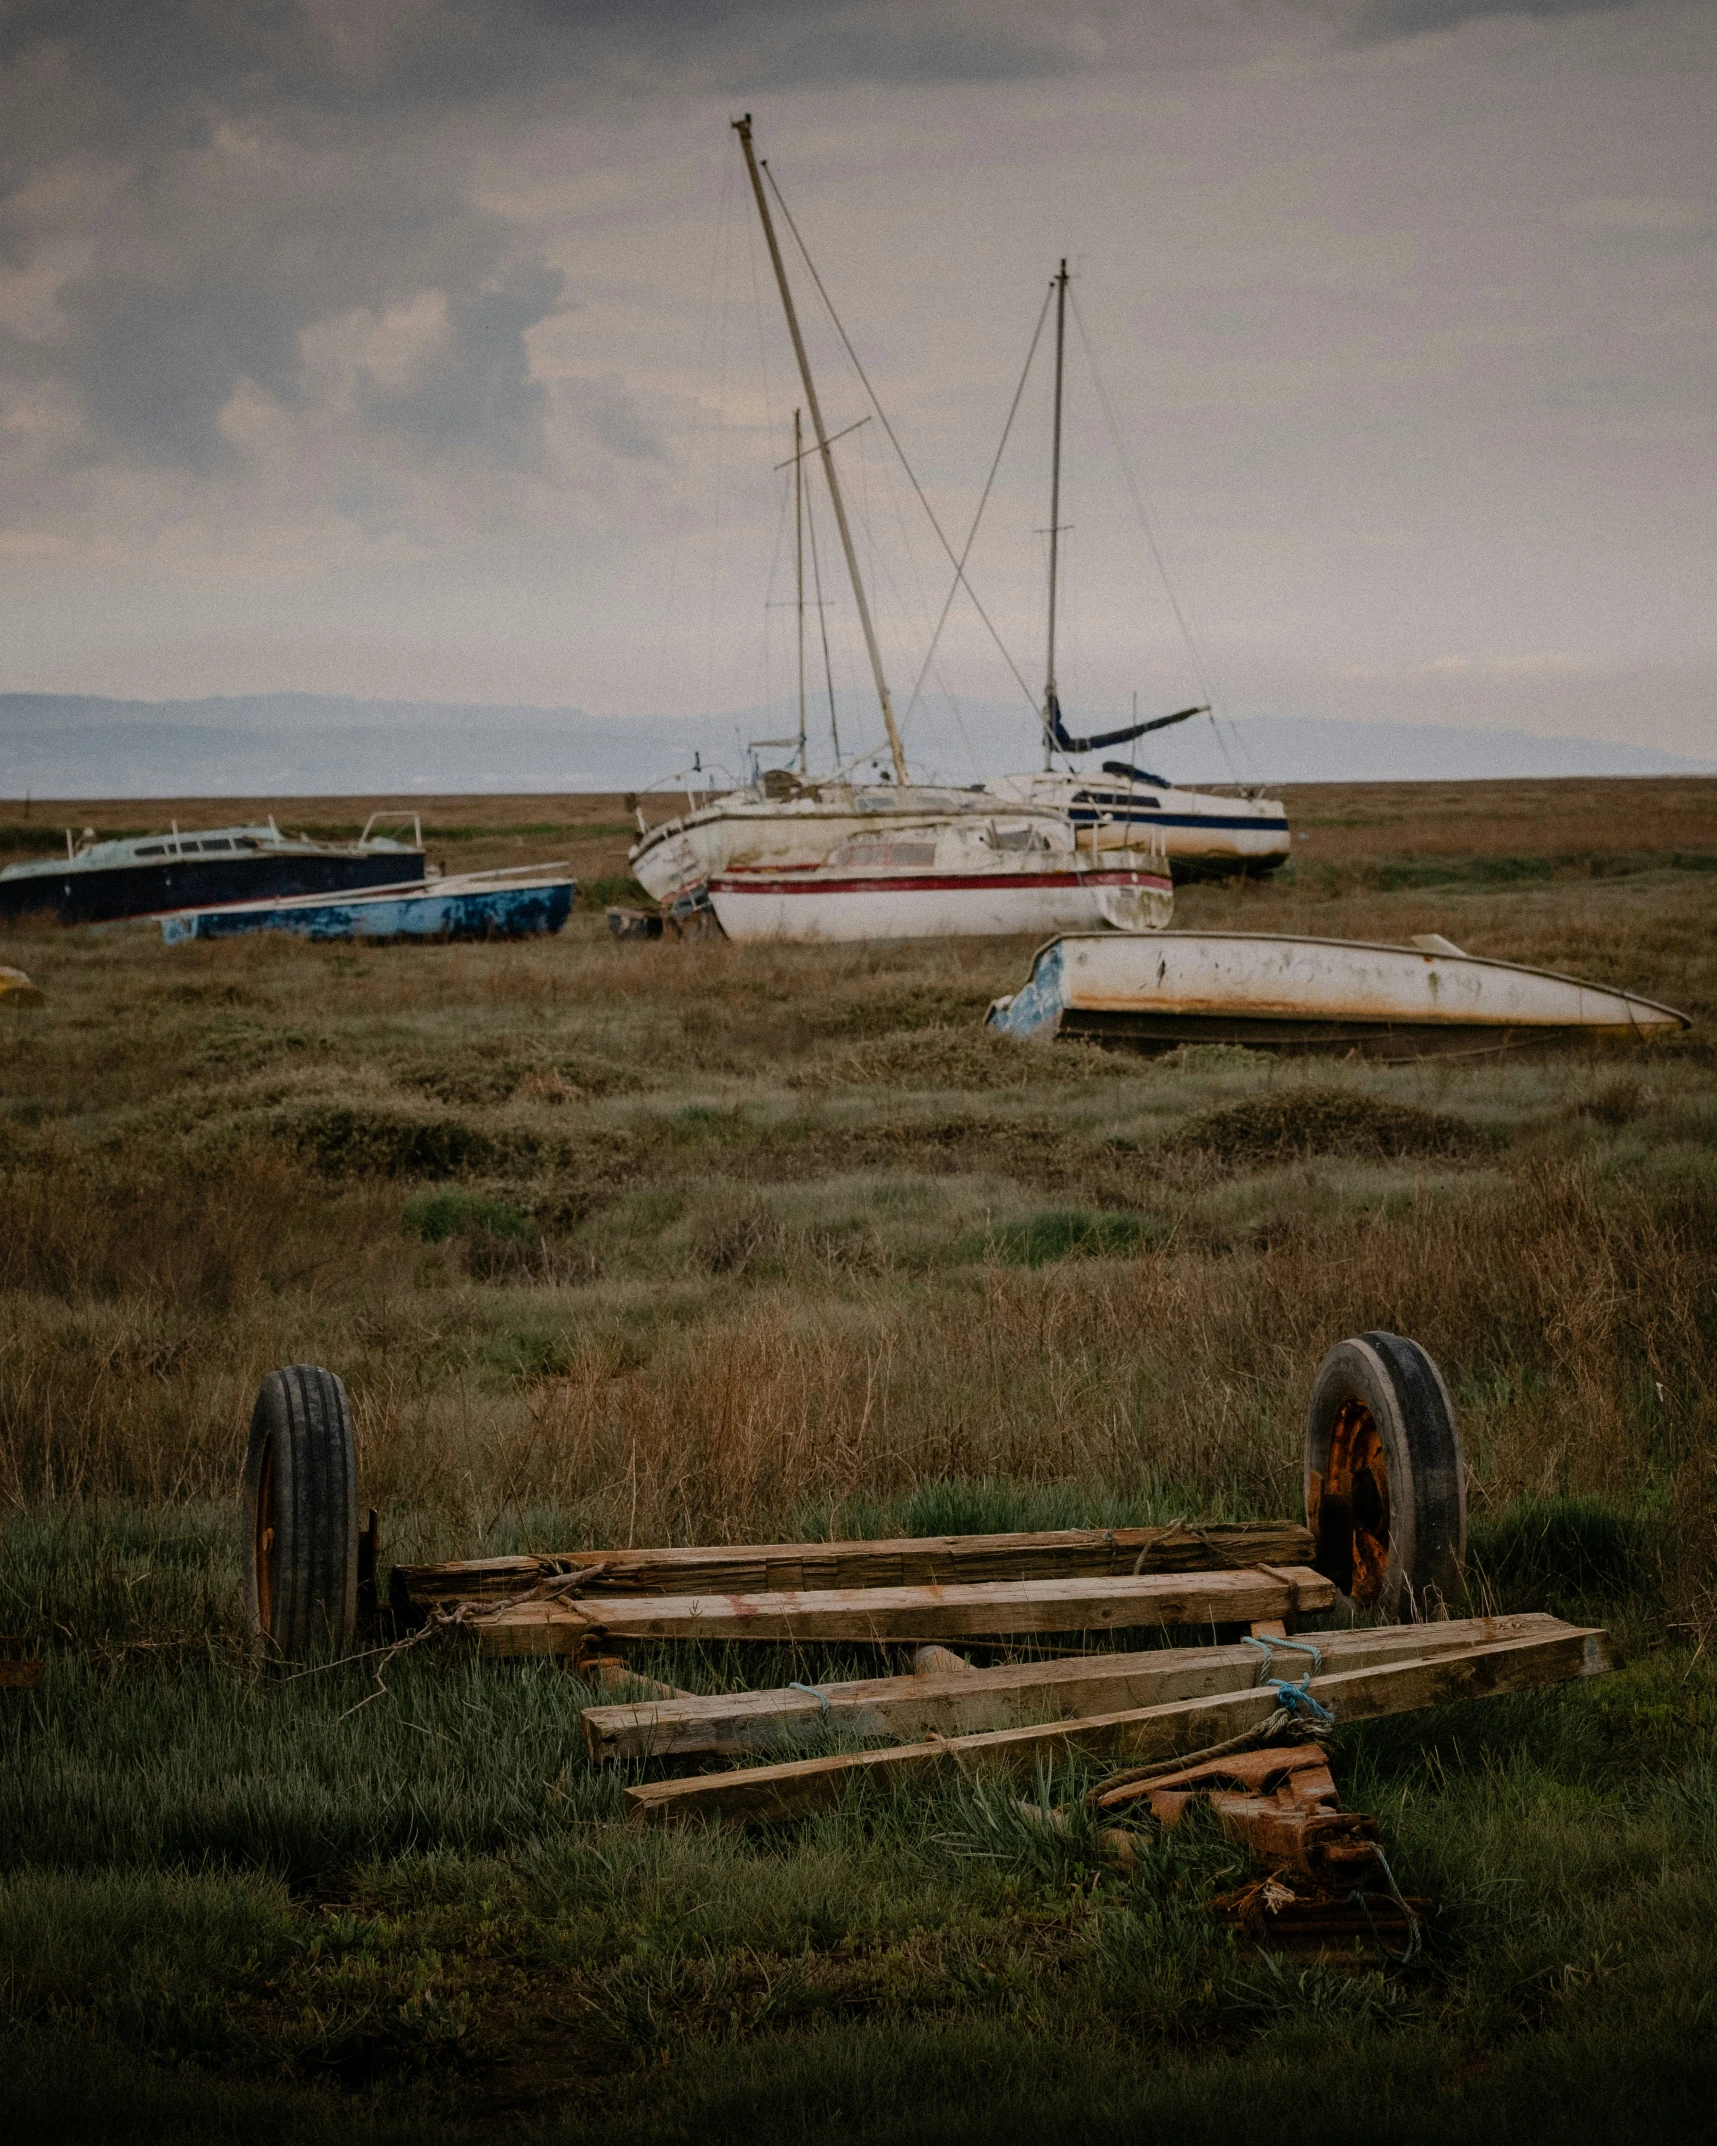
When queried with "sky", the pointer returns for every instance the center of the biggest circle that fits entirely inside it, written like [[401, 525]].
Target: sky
[[426, 350]]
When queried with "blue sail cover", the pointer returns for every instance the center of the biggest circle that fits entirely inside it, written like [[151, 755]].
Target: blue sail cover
[[1063, 743]]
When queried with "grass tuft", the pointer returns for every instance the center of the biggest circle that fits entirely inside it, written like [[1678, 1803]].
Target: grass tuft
[[1324, 1121]]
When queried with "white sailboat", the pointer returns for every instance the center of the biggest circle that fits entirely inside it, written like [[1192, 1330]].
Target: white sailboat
[[791, 824], [952, 878]]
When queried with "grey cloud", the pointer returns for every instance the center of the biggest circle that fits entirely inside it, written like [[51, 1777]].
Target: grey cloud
[[206, 268], [162, 364], [478, 391], [611, 414], [377, 55], [1414, 18]]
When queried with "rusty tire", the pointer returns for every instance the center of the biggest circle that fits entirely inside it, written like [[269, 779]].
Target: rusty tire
[[301, 1515], [1385, 1491]]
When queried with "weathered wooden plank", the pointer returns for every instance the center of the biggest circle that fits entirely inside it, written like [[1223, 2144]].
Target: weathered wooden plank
[[967, 1700], [558, 1626], [912, 1561], [1135, 1736]]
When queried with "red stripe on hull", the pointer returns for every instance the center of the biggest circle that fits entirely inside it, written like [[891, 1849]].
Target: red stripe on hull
[[937, 883]]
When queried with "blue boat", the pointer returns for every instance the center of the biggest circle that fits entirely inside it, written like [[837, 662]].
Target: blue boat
[[521, 903], [142, 875]]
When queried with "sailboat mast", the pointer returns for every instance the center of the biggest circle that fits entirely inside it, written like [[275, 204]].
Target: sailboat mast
[[799, 564], [742, 127], [1051, 708]]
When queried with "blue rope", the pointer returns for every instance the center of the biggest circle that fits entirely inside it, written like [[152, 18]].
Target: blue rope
[[1295, 1699], [1357, 1898], [1266, 1648], [811, 1692]]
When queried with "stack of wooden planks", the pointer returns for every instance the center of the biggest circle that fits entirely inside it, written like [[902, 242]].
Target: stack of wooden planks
[[1175, 1702], [1133, 1707], [806, 1567]]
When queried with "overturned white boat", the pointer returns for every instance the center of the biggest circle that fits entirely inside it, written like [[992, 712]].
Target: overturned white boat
[[951, 879], [1272, 991]]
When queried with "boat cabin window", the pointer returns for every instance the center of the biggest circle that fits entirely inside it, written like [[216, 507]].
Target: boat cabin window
[[221, 843], [874, 851], [153, 849]]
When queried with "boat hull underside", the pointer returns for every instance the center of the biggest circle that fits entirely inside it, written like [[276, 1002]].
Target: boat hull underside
[[139, 890], [979, 905], [1156, 1032], [1280, 993]]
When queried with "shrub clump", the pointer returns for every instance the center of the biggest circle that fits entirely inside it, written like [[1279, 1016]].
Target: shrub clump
[[962, 1059], [343, 1141], [447, 1211], [1324, 1121]]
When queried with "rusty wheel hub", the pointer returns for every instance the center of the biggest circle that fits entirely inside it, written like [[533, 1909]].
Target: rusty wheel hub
[[1353, 1512]]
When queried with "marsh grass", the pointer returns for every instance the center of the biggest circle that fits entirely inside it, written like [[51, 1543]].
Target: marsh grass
[[647, 1243]]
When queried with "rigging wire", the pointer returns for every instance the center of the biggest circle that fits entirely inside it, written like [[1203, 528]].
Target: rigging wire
[[1137, 492], [718, 551], [822, 623], [989, 484], [691, 459], [769, 432], [769, 602], [923, 499]]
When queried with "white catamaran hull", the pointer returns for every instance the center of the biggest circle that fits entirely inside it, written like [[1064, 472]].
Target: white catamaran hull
[[1204, 835], [826, 906], [749, 833], [1261, 989]]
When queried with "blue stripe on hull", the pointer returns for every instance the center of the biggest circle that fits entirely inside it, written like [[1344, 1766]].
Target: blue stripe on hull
[[1083, 816]]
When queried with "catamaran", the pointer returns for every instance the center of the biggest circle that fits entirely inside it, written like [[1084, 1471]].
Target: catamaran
[[788, 824]]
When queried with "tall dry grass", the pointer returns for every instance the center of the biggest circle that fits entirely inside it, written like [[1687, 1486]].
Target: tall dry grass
[[733, 1239]]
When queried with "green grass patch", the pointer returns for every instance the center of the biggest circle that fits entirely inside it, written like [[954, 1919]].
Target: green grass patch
[[1059, 1233], [434, 1215], [1568, 1555], [613, 890]]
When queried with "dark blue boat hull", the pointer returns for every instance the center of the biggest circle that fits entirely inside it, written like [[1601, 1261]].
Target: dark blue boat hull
[[140, 890], [431, 912]]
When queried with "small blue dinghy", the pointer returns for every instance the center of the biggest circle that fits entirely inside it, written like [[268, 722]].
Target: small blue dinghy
[[515, 904]]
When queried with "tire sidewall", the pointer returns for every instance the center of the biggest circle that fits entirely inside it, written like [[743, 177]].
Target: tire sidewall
[[1400, 1385], [302, 1418]]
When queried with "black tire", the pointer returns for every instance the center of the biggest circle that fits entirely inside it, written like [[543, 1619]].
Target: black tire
[[1386, 1496], [301, 1515]]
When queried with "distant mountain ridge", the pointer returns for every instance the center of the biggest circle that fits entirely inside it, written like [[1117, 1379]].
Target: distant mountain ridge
[[304, 745]]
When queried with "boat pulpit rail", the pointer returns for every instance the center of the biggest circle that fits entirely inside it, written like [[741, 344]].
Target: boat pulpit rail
[[402, 819]]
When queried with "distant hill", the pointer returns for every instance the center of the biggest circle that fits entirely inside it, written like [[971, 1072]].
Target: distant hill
[[304, 745]]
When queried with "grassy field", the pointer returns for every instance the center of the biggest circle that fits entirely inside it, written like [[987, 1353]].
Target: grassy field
[[660, 1242]]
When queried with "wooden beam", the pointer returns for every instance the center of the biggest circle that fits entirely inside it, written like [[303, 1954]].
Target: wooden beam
[[967, 1700], [912, 1561], [1136, 1736], [561, 1626]]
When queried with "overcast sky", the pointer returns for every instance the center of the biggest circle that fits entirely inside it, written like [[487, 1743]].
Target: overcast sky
[[424, 349]]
